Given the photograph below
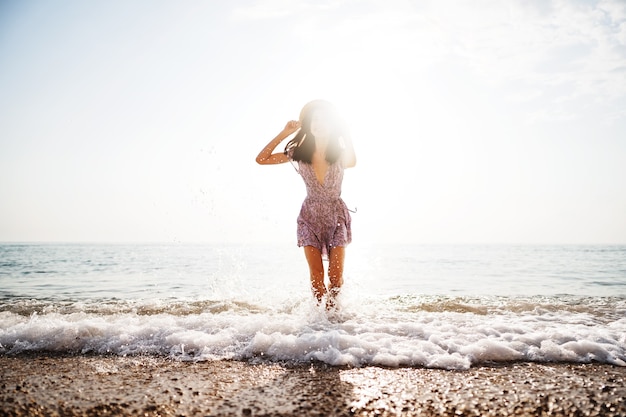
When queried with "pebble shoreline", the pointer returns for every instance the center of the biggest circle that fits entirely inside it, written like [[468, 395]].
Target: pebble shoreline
[[48, 385]]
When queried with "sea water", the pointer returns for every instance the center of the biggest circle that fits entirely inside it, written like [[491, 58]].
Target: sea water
[[444, 306]]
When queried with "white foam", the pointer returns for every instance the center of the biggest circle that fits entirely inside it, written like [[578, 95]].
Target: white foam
[[384, 333]]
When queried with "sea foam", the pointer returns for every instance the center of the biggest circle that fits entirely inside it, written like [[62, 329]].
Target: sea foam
[[435, 332]]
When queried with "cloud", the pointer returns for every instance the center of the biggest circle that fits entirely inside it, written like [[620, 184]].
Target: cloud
[[570, 51], [262, 11], [278, 9], [614, 9], [525, 95]]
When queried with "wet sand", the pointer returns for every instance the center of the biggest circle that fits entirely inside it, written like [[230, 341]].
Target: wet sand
[[150, 386]]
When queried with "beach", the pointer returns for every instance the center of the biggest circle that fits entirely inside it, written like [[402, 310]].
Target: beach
[[95, 385], [194, 330]]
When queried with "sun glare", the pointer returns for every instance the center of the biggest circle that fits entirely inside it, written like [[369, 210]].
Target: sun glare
[[462, 122]]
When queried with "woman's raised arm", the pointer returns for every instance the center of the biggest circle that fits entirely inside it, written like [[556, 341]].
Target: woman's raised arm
[[267, 156]]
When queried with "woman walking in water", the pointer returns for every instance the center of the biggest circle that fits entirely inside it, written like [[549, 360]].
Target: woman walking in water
[[322, 149]]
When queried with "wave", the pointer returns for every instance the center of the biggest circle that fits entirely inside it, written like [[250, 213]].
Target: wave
[[435, 332]]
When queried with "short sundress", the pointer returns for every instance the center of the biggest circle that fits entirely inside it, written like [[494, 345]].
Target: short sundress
[[324, 219]]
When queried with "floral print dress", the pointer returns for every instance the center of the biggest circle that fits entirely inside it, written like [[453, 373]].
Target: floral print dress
[[324, 219]]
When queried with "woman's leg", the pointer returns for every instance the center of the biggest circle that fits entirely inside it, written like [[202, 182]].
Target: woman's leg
[[316, 268], [335, 273]]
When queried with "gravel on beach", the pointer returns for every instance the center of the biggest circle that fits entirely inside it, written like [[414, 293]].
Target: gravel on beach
[[49, 385]]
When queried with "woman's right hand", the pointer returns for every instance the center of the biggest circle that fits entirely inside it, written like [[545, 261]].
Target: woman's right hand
[[292, 126], [267, 155]]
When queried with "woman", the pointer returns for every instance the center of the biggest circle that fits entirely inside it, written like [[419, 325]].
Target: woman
[[322, 149]]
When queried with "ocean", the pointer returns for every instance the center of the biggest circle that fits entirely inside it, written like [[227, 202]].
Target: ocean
[[434, 306]]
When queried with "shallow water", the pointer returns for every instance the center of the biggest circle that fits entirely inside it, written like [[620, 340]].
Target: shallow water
[[447, 307]]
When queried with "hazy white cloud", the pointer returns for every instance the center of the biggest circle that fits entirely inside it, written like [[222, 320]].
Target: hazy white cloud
[[525, 95], [277, 9], [262, 11], [567, 50], [570, 51], [615, 11]]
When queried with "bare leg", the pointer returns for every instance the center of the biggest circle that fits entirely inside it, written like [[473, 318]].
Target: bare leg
[[335, 273], [316, 268]]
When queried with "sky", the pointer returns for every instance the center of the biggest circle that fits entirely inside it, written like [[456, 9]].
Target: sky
[[474, 122]]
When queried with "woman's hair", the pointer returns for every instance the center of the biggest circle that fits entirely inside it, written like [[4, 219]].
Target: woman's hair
[[302, 146]]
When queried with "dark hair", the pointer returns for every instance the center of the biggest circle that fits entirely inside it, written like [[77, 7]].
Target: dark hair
[[302, 146]]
